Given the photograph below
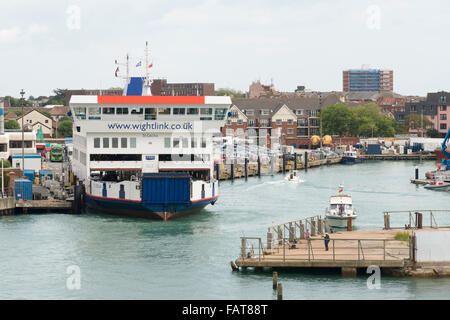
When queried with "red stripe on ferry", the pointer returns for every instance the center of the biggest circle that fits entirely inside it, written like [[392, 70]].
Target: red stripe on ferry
[[205, 199], [99, 197], [152, 99]]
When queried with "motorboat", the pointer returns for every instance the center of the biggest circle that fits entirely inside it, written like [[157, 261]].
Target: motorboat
[[352, 157], [293, 176], [438, 185], [340, 210]]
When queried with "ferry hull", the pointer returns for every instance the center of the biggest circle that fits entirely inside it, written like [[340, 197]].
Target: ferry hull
[[338, 222], [138, 209], [352, 160]]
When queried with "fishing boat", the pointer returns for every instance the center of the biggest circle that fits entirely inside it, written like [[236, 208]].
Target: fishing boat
[[352, 157], [146, 156], [438, 185], [340, 210], [293, 176]]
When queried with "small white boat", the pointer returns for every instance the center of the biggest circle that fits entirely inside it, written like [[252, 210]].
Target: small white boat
[[293, 176], [438, 185], [340, 210]]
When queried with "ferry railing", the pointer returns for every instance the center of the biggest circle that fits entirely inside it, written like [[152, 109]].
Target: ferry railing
[[341, 249], [296, 229], [415, 219]]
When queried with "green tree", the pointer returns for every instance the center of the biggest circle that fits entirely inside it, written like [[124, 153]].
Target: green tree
[[6, 164], [15, 102], [416, 121], [230, 92], [65, 118], [337, 119], [12, 124], [59, 97], [18, 113], [433, 133], [65, 129]]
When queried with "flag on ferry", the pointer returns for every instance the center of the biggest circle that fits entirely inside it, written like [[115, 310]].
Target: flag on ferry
[[139, 64], [341, 189], [117, 71], [150, 65]]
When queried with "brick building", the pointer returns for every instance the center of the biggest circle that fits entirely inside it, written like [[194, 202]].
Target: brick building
[[160, 87], [292, 121], [435, 107]]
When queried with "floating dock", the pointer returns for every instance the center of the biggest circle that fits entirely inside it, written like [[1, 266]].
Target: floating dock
[[287, 247], [28, 206]]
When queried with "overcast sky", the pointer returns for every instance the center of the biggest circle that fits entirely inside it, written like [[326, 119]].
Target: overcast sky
[[49, 44]]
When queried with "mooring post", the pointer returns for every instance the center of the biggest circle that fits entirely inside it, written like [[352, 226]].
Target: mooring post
[[306, 160], [217, 172], [386, 221], [275, 280], [291, 232], [232, 170], [280, 292], [259, 167], [313, 227], [302, 230], [327, 226], [295, 161], [246, 168], [417, 172], [269, 240], [349, 224], [284, 163], [320, 226], [280, 235], [243, 247]]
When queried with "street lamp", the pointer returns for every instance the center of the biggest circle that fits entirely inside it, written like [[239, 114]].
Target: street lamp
[[22, 93]]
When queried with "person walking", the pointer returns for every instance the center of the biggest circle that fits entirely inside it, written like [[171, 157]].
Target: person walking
[[327, 240]]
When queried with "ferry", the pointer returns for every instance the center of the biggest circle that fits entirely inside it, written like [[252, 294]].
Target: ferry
[[147, 156], [340, 210], [352, 157]]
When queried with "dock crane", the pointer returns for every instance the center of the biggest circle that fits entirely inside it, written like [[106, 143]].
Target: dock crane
[[445, 162]]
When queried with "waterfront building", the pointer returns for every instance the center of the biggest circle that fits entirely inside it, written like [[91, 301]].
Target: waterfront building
[[435, 107], [160, 87], [287, 121], [257, 89], [368, 80]]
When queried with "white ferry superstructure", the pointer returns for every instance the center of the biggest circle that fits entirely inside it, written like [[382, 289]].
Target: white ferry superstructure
[[147, 156]]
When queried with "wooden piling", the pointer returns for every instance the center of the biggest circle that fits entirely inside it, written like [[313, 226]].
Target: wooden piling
[[243, 248], [349, 224], [259, 167], [313, 227], [275, 280], [320, 225], [302, 230], [306, 161], [280, 291], [246, 168], [284, 163], [232, 170], [217, 172], [327, 226], [269, 240], [295, 161]]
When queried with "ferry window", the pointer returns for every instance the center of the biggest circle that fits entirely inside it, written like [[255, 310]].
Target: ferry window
[[176, 142], [137, 110], [122, 111], [192, 111], [80, 112], [193, 142], [163, 110], [132, 142], [166, 142], [205, 118], [150, 114], [123, 142], [96, 142], [108, 110], [105, 142], [203, 142], [179, 110], [219, 113], [185, 142], [115, 142], [207, 111], [94, 113]]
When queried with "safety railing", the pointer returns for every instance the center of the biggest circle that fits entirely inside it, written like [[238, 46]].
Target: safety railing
[[415, 219]]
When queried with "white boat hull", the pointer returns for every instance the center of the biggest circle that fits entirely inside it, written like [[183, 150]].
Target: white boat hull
[[339, 222]]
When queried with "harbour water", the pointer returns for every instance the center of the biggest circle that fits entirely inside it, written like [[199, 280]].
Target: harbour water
[[188, 258]]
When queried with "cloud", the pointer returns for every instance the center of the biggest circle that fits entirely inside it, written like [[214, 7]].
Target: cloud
[[9, 35], [37, 29]]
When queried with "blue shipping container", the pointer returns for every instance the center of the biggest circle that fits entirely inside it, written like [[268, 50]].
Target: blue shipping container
[[23, 189], [166, 188], [29, 174], [373, 149]]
